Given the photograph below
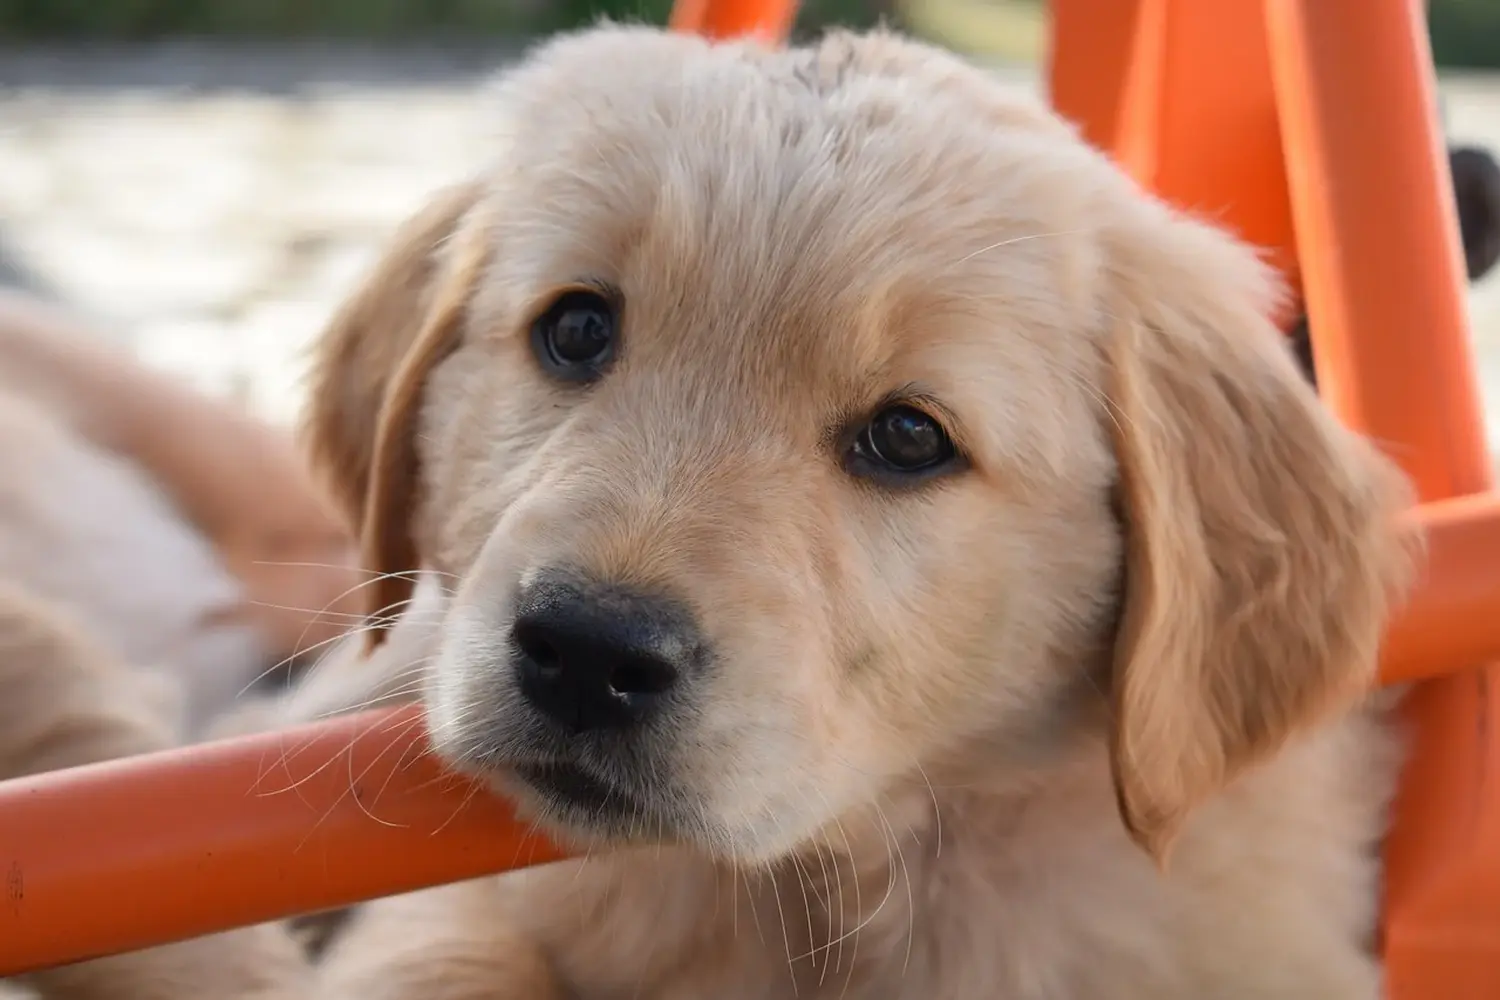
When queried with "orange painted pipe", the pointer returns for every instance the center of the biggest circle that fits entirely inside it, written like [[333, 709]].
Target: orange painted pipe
[[1373, 203], [1090, 60], [118, 856], [770, 20], [1179, 93], [1453, 619], [1384, 286]]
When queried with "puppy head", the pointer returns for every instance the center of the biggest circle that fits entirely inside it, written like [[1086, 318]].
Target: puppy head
[[793, 424]]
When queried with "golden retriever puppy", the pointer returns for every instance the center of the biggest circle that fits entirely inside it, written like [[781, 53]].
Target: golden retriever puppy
[[67, 700], [897, 550]]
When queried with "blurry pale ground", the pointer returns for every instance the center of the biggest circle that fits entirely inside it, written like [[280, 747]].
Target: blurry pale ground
[[212, 204]]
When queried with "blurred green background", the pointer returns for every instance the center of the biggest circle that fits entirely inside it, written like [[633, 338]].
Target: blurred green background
[[1465, 33]]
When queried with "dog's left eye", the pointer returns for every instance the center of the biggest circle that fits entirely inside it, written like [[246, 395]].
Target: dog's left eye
[[575, 338], [902, 439]]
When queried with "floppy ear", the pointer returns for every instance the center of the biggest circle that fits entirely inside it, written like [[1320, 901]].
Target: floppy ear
[[1263, 543], [367, 376]]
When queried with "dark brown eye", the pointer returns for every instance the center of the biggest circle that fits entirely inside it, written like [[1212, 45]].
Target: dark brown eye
[[575, 338], [902, 439]]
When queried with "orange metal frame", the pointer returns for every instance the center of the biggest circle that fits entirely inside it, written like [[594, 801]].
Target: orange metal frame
[[1309, 126]]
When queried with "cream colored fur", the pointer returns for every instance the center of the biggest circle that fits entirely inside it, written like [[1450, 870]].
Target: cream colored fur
[[1085, 719]]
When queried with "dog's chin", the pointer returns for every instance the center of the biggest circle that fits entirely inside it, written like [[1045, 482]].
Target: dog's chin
[[578, 806]]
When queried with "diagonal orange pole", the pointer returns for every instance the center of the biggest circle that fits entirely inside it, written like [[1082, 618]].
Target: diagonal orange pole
[[130, 853], [1385, 290], [1309, 127], [1453, 619], [1179, 93]]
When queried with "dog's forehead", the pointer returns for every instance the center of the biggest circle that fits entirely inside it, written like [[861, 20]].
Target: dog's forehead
[[801, 208]]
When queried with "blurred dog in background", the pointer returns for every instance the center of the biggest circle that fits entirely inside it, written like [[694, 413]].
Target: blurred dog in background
[[185, 533]]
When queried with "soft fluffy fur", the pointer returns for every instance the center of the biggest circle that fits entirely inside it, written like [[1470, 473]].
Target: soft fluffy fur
[[1083, 720]]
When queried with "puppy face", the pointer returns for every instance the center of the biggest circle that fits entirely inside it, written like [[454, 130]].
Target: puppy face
[[793, 424]]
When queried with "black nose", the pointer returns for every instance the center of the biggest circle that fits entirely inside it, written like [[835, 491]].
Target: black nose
[[600, 656]]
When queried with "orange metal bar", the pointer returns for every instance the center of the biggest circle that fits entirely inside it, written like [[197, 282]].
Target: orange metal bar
[[1090, 58], [1180, 89], [118, 856], [1180, 94], [1453, 619], [770, 20], [1374, 207], [1378, 237]]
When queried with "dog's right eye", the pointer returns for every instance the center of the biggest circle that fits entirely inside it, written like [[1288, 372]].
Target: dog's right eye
[[574, 340], [902, 441]]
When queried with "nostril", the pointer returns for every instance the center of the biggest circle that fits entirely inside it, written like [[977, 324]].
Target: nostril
[[642, 677], [627, 675], [536, 647]]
